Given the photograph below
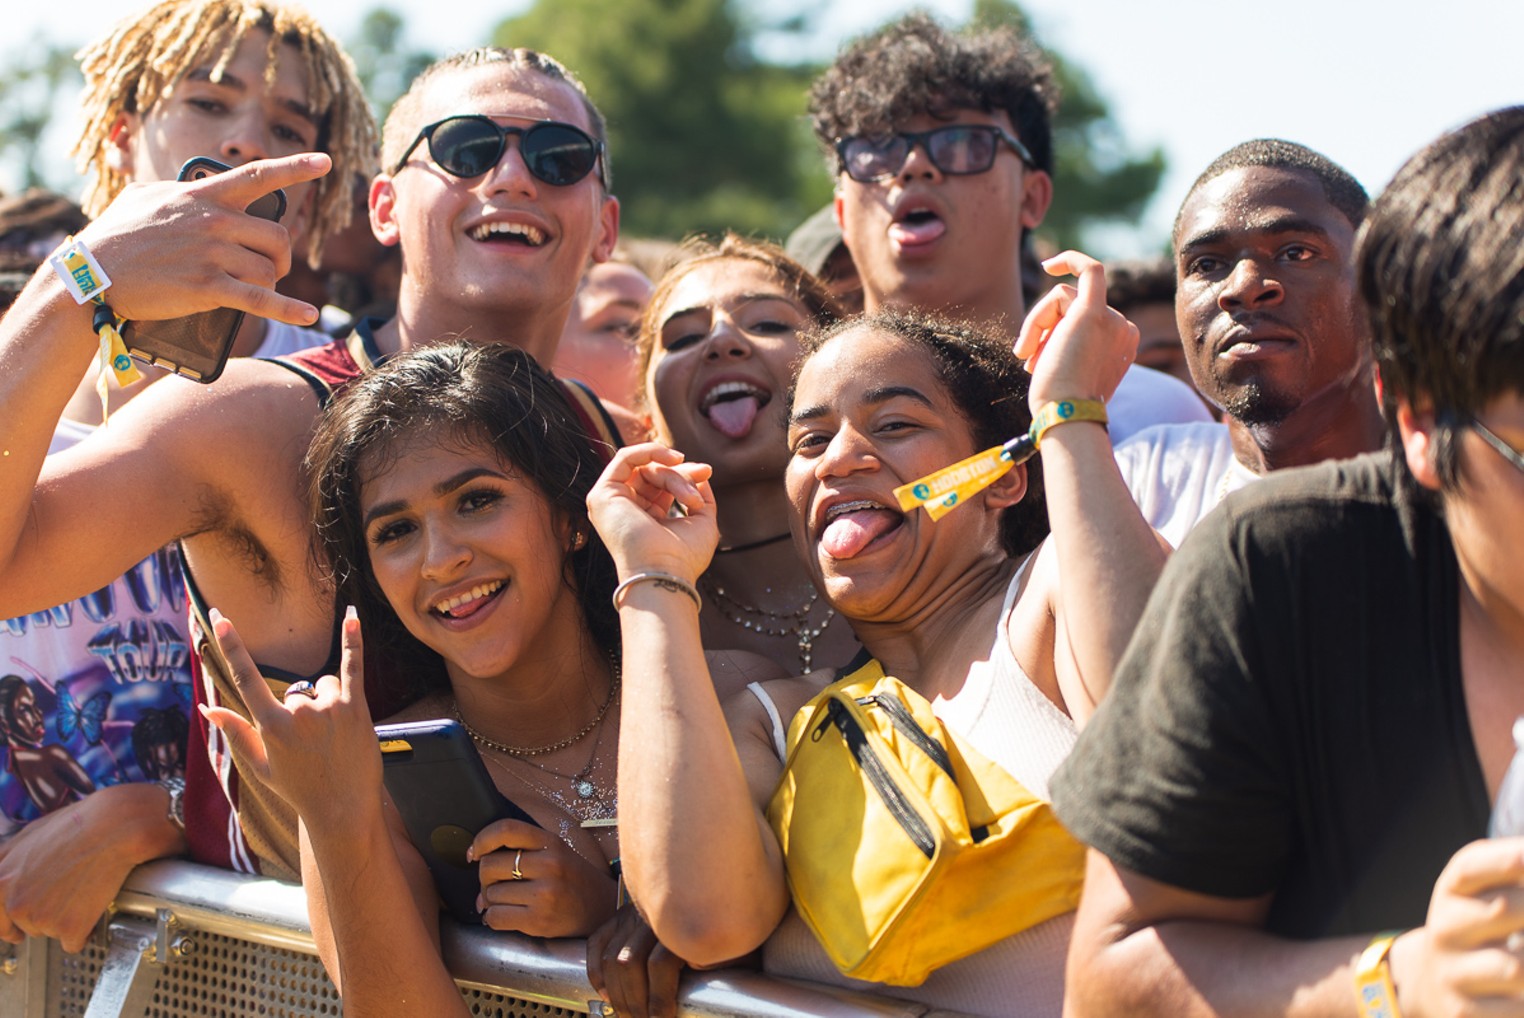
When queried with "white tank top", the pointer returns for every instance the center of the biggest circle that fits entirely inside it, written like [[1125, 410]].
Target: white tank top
[[1008, 719]]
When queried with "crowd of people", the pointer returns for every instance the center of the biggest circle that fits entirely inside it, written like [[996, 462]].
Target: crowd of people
[[818, 606]]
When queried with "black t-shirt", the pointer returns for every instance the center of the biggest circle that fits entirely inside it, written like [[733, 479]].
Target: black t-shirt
[[1289, 717]]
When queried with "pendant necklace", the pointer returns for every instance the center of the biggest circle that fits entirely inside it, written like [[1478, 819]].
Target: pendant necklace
[[795, 623]]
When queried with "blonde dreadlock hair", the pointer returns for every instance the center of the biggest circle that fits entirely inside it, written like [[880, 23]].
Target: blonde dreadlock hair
[[144, 57]]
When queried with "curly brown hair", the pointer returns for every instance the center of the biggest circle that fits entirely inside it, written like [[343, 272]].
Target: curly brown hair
[[914, 66], [145, 56]]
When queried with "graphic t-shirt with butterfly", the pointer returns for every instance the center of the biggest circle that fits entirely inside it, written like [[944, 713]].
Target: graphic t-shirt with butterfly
[[95, 692]]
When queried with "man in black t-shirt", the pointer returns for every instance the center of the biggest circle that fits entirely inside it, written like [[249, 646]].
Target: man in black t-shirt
[[1302, 744]]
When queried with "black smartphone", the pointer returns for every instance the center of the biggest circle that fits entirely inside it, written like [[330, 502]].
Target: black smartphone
[[197, 346], [438, 782]]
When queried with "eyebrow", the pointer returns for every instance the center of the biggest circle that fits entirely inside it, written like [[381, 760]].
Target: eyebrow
[[444, 487], [872, 397], [743, 299], [237, 84], [1279, 225]]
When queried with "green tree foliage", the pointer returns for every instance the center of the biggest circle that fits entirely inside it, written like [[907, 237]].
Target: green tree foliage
[[382, 62], [704, 135], [1097, 180], [36, 77]]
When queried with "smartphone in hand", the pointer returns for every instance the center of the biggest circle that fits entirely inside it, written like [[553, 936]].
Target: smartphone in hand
[[197, 346], [438, 782]]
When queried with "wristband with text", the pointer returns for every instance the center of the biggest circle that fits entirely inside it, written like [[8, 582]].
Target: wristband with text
[[946, 489], [1375, 994], [87, 282]]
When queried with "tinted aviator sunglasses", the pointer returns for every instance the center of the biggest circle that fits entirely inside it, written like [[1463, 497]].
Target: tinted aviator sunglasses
[[469, 146], [957, 149]]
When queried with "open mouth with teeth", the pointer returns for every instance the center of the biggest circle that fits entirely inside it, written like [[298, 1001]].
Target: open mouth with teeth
[[850, 527], [732, 407], [508, 233], [463, 606], [916, 226]]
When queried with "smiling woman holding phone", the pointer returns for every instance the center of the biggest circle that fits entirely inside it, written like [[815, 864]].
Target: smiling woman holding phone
[[448, 489]]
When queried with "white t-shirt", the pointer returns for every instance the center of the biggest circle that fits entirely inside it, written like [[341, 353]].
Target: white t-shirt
[[1147, 397], [1177, 473], [281, 339]]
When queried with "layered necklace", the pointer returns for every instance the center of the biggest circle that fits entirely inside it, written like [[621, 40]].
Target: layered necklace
[[589, 799], [794, 623], [527, 751]]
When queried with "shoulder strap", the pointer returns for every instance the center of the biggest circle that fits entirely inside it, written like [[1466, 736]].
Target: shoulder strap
[[780, 739], [600, 427]]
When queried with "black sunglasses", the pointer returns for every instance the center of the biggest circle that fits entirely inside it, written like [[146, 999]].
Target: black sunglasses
[[957, 149], [1508, 452], [468, 146]]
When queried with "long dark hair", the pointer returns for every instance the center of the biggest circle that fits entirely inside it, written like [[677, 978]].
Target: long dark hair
[[488, 392]]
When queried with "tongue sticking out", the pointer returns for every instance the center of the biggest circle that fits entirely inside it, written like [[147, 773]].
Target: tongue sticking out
[[849, 533], [733, 417], [920, 230]]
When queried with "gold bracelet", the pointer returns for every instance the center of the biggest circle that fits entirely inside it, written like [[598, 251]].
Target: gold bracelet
[[1375, 994], [666, 581]]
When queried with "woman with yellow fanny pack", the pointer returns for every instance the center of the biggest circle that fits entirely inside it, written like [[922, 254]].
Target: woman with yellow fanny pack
[[904, 813]]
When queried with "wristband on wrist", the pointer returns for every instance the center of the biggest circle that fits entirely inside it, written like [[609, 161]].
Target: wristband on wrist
[[1065, 411], [946, 489], [1375, 994], [80, 272], [87, 282], [666, 581]]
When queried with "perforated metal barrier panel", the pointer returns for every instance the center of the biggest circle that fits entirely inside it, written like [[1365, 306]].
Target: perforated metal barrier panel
[[192, 941]]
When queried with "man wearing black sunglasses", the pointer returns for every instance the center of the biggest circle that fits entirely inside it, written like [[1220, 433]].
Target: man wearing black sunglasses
[[943, 150], [495, 257]]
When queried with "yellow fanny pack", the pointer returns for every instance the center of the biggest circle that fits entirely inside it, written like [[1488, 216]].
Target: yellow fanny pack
[[905, 848]]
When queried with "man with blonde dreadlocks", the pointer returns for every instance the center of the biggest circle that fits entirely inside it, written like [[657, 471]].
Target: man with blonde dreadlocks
[[261, 88]]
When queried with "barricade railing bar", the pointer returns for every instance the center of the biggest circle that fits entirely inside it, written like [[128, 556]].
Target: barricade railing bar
[[188, 940]]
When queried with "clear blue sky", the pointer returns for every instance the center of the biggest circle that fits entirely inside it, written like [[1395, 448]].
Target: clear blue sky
[[1364, 81]]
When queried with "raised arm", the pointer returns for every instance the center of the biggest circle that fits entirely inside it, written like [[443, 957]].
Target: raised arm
[[1144, 948], [700, 860], [1104, 558], [321, 754], [71, 525]]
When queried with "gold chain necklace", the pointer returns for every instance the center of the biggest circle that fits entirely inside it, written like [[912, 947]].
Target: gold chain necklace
[[793, 623], [571, 740]]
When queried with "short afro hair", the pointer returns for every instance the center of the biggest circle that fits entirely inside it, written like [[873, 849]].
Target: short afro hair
[[1342, 190], [915, 66]]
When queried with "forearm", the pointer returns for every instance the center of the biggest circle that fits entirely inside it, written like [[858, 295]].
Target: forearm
[[1187, 969], [694, 854], [375, 942], [45, 349], [1108, 557]]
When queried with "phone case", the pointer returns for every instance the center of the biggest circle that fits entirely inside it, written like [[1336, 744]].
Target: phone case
[[439, 784], [197, 346]]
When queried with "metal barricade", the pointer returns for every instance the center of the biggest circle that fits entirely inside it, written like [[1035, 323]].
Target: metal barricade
[[188, 940]]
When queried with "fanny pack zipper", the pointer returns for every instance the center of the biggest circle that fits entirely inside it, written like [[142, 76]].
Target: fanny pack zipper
[[873, 768], [899, 716]]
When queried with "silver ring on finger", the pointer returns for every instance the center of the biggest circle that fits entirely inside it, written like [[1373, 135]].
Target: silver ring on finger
[[518, 856], [302, 688]]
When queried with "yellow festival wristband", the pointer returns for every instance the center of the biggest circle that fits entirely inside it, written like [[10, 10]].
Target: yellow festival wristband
[[87, 282], [1375, 995], [946, 489]]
